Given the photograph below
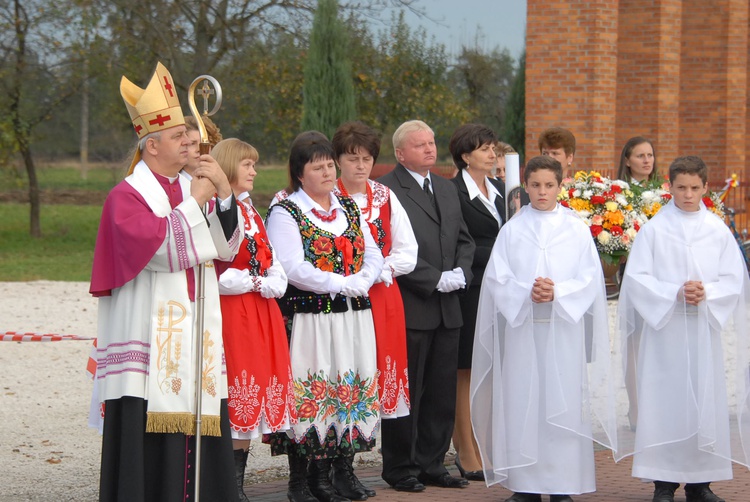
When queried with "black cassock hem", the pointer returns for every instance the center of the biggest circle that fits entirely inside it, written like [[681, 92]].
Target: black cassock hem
[[148, 467]]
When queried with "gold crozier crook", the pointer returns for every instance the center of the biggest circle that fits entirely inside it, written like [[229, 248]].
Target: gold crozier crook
[[206, 92]]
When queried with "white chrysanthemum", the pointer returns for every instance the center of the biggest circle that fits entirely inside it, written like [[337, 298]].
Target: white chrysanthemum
[[622, 184], [604, 237]]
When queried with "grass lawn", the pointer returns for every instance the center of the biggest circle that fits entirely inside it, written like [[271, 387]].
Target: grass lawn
[[63, 253], [66, 249]]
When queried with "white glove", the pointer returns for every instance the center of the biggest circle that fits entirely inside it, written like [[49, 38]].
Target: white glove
[[386, 276], [451, 280], [356, 285], [443, 284], [272, 287], [458, 277]]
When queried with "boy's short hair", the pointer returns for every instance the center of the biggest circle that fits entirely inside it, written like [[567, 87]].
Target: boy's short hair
[[557, 137], [543, 162], [689, 164]]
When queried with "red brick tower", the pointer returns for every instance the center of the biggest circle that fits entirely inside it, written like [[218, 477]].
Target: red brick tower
[[673, 71]]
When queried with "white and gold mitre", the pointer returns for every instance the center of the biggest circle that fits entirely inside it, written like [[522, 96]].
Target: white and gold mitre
[[154, 108]]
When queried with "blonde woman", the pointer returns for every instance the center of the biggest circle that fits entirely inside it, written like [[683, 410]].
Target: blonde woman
[[261, 396]]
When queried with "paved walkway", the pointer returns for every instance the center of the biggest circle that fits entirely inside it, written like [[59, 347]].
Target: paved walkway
[[613, 481]]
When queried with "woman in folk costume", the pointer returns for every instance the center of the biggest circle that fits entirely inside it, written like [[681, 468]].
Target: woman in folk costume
[[540, 369], [686, 293], [331, 261], [152, 237], [261, 392], [357, 147]]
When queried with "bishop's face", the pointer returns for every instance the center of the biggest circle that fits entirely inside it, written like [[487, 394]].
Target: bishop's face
[[169, 151]]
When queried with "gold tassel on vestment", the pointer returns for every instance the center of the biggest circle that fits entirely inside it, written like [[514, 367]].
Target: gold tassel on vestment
[[183, 423]]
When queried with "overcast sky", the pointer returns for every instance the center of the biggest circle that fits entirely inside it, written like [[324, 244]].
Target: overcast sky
[[487, 23]]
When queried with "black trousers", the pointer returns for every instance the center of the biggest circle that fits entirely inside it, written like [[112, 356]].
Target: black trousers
[[416, 444]]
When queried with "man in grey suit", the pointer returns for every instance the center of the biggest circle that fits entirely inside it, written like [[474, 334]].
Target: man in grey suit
[[414, 447]]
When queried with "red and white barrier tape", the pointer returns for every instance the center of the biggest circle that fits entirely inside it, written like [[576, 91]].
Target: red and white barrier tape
[[16, 336]]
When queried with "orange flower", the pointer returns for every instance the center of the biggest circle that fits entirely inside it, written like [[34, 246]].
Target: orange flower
[[322, 245], [344, 394], [324, 264], [318, 389], [308, 409]]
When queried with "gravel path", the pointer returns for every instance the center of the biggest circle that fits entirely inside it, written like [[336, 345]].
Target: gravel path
[[47, 451]]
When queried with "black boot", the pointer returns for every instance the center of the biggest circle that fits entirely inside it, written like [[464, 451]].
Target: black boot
[[345, 481], [319, 480], [664, 491], [700, 492], [240, 461], [298, 489]]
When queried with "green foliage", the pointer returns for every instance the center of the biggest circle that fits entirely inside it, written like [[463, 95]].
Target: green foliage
[[257, 50], [328, 93], [64, 253], [514, 130], [263, 96], [487, 79], [404, 77]]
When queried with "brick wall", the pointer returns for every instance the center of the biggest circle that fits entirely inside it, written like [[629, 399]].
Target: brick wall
[[571, 70], [674, 71], [648, 75]]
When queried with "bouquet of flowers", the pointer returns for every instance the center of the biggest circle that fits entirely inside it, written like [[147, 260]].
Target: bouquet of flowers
[[714, 203], [651, 197], [609, 208], [654, 195]]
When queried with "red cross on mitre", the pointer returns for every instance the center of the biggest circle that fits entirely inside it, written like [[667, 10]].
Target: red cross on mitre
[[138, 129], [160, 120], [168, 86]]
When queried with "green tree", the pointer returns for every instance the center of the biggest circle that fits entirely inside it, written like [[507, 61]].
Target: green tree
[[404, 77], [514, 130], [328, 93], [263, 90], [486, 78], [34, 40]]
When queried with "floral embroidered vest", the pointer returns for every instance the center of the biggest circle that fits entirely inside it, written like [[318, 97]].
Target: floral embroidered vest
[[342, 255]]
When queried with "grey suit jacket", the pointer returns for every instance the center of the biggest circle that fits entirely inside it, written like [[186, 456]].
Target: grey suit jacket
[[444, 244]]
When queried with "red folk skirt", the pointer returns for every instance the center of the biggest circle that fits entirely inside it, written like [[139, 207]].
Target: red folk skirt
[[390, 338], [261, 390]]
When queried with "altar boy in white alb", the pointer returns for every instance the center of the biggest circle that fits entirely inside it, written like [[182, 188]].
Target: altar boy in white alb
[[540, 376], [687, 286]]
